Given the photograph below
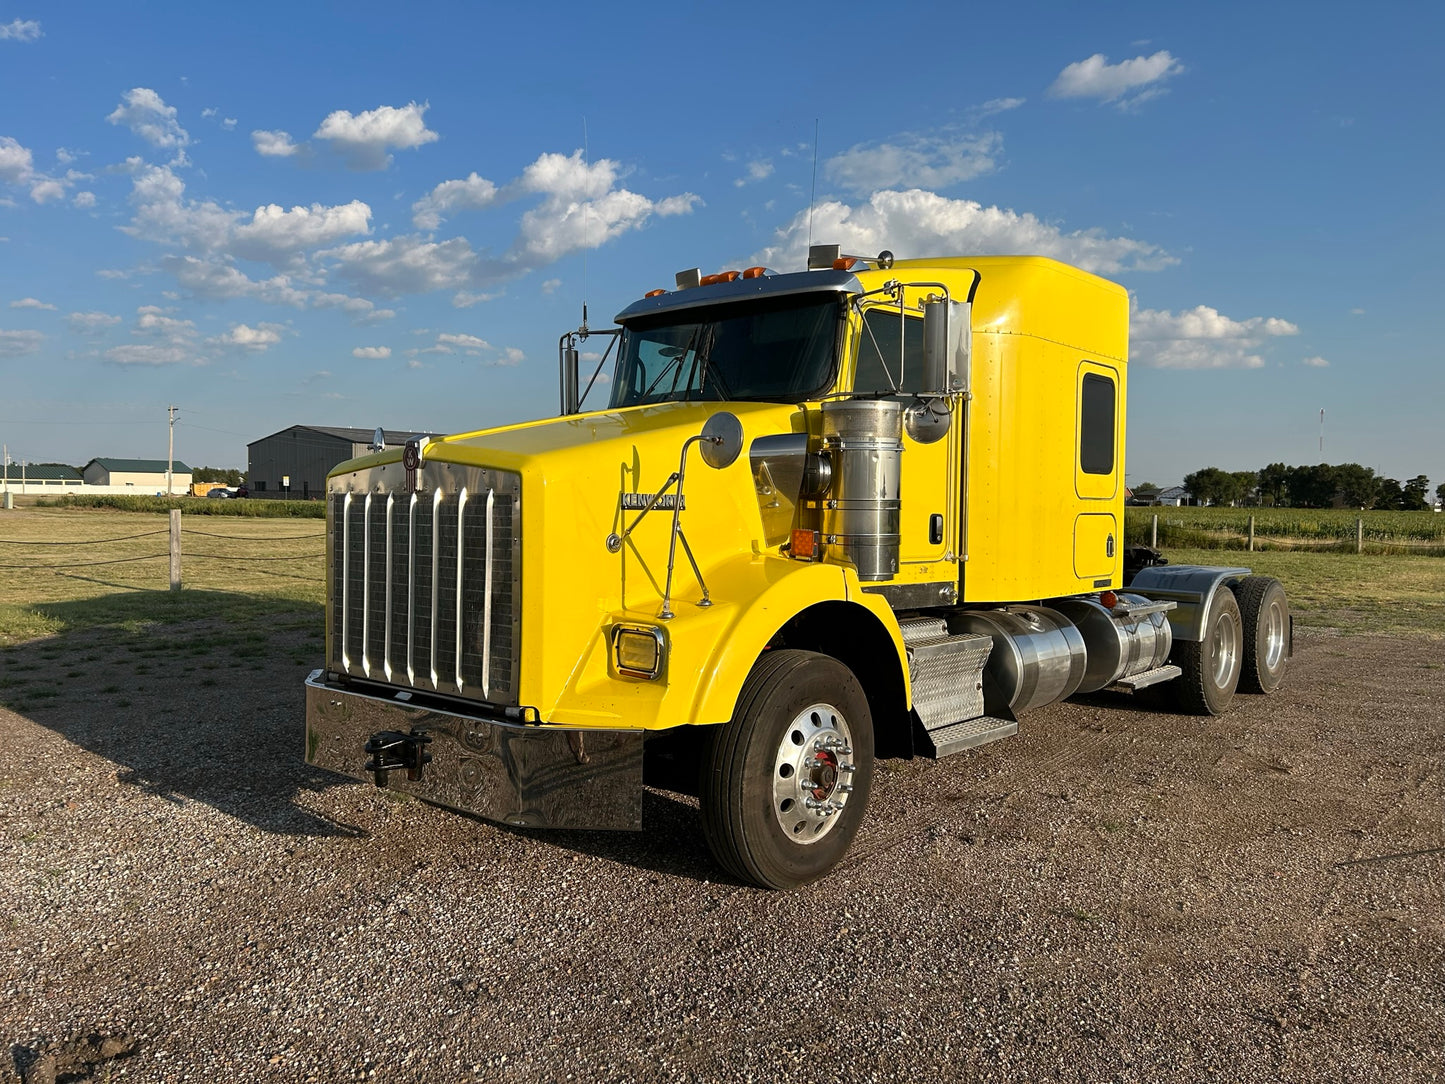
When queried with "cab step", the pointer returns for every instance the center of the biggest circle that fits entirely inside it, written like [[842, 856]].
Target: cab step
[[946, 674], [956, 737]]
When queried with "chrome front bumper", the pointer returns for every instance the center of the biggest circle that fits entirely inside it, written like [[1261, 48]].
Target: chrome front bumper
[[540, 777]]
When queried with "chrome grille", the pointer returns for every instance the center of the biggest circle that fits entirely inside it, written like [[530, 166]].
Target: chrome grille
[[423, 586]]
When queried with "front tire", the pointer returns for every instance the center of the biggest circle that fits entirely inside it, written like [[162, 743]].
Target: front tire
[[1212, 665], [785, 783], [1264, 614]]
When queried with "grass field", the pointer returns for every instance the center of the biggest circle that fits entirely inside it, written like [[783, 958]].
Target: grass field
[[68, 568], [1419, 533], [63, 569], [258, 508]]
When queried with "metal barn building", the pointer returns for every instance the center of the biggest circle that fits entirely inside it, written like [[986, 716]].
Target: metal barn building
[[145, 474], [305, 454]]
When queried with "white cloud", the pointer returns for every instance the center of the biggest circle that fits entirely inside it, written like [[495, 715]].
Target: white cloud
[[511, 355], [465, 299], [163, 340], [998, 105], [144, 113], [20, 30], [372, 353], [582, 209], [31, 303], [16, 344], [550, 286], [469, 343], [915, 160], [17, 164], [273, 144], [1201, 338], [47, 189], [259, 338], [219, 279], [91, 322], [1128, 83], [918, 223], [1316, 362], [83, 200], [759, 170], [164, 215], [405, 265], [469, 193], [366, 138], [274, 233]]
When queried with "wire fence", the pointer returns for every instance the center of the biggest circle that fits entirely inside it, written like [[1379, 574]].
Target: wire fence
[[177, 553], [1333, 535]]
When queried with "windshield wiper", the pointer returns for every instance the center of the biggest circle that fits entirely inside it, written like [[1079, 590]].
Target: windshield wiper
[[674, 364]]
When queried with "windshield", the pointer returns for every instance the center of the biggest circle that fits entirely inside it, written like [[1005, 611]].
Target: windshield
[[781, 351]]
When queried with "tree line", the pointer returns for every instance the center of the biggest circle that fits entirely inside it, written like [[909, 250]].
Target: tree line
[[1321, 486], [230, 476]]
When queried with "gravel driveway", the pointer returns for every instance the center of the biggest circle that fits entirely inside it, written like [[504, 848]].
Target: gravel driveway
[[1117, 893]]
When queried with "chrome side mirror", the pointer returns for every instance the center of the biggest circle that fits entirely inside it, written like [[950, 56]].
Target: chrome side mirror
[[722, 439], [947, 338]]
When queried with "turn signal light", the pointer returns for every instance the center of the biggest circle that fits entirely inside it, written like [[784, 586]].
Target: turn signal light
[[805, 545]]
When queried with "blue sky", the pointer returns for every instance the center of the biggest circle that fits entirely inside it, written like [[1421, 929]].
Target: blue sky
[[358, 215]]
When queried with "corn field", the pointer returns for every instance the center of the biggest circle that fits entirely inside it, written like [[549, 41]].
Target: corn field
[[1341, 530]]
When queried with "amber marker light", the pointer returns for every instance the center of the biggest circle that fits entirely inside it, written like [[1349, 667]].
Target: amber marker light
[[805, 544], [654, 293], [844, 263], [754, 272]]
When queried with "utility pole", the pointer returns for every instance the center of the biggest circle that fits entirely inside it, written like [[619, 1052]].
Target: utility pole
[[171, 454]]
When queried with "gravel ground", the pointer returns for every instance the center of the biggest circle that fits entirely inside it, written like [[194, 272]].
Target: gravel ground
[[1118, 893]]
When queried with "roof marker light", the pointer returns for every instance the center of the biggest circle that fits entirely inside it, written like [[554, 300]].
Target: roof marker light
[[844, 263], [654, 293], [755, 272]]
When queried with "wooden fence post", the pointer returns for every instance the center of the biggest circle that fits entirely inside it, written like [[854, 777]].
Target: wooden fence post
[[1154, 533], [1359, 536], [1251, 534], [175, 549]]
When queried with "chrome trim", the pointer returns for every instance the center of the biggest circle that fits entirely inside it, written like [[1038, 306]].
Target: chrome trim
[[647, 630], [461, 554], [365, 584], [537, 776], [411, 591], [723, 293], [916, 596], [386, 650], [436, 560], [345, 579], [487, 601]]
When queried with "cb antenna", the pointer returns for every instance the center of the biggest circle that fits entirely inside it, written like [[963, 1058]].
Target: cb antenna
[[586, 206], [813, 195]]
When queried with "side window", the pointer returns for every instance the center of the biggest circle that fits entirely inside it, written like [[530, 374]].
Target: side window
[[878, 358], [1096, 424]]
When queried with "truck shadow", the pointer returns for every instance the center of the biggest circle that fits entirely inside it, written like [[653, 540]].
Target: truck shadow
[[195, 696]]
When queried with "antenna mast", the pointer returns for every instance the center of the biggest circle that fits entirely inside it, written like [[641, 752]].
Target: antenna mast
[[813, 195]]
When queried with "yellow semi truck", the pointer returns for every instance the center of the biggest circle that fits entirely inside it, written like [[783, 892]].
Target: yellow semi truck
[[870, 509]]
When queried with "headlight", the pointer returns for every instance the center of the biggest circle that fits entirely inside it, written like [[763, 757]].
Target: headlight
[[638, 650]]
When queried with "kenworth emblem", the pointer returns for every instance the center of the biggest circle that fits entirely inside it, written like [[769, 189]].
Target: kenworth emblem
[[411, 460], [636, 502]]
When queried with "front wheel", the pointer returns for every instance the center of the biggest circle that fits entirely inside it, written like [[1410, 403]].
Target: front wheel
[[786, 782], [1212, 665]]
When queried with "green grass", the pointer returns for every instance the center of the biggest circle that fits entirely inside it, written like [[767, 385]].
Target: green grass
[[253, 508], [1419, 533], [1355, 593]]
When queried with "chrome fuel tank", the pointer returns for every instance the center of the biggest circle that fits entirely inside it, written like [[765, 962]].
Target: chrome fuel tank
[[1131, 638], [1038, 656]]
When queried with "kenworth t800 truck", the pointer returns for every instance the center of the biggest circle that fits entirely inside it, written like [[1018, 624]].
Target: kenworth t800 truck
[[873, 508]]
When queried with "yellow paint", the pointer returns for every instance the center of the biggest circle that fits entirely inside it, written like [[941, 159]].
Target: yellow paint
[[1004, 478]]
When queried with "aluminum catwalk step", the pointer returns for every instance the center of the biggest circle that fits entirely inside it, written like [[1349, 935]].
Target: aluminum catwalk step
[[956, 737]]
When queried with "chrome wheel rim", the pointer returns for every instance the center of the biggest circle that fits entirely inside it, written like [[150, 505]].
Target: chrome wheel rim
[[1275, 625], [1224, 650], [813, 773]]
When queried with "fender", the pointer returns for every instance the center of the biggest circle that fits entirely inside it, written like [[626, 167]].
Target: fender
[[710, 650], [1191, 586]]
